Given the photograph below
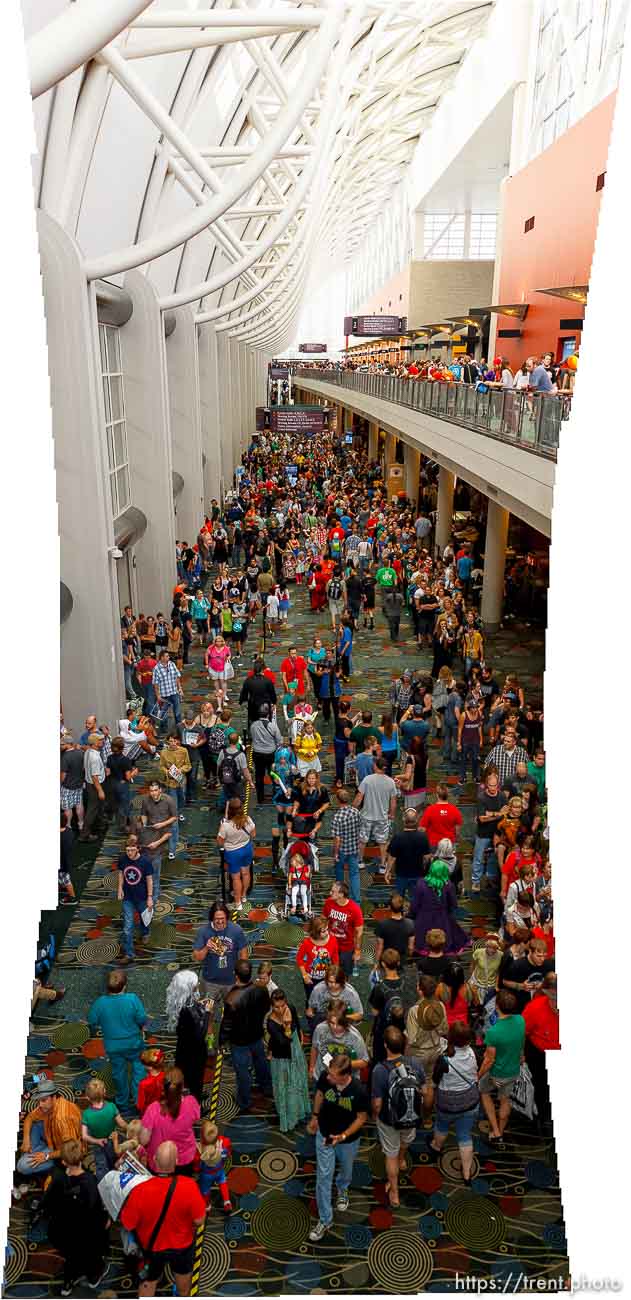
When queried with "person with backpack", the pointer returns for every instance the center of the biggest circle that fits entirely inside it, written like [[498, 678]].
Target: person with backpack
[[77, 1222], [386, 1000], [335, 597], [232, 771], [399, 1097], [457, 1097]]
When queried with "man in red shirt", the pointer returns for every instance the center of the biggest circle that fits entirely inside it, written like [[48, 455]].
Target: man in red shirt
[[346, 923], [293, 669], [541, 1016], [144, 673], [173, 1244], [441, 820]]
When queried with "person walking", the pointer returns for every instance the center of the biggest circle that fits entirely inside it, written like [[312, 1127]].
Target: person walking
[[246, 1006], [76, 1220], [175, 762], [95, 773], [166, 682], [457, 1097], [399, 1097], [266, 738], [290, 1081], [345, 829], [235, 836], [377, 798], [121, 1017], [340, 1111], [188, 1017], [165, 1212], [135, 892], [158, 817], [172, 1119], [501, 1064]]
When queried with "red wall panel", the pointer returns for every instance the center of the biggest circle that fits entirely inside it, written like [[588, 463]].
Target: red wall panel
[[558, 189]]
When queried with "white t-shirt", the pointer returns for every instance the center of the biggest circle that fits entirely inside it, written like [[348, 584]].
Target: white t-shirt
[[236, 837]]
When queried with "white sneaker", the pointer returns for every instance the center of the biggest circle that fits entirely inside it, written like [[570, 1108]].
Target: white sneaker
[[182, 817], [319, 1231], [343, 1202], [171, 857]]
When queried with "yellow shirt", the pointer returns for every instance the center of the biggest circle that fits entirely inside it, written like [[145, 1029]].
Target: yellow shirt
[[307, 746]]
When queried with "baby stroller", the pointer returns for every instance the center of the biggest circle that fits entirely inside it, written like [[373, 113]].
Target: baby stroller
[[299, 878]]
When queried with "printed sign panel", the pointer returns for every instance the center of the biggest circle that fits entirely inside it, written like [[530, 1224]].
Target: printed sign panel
[[375, 326], [278, 372], [296, 419], [312, 347]]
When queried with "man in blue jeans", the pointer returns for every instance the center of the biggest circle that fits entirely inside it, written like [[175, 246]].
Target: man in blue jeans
[[135, 892], [245, 1008], [345, 832], [340, 1110], [121, 1017], [168, 689], [491, 808]]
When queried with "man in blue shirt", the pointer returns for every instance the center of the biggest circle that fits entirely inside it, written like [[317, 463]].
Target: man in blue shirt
[[219, 945], [540, 381], [135, 892], [464, 566], [121, 1017]]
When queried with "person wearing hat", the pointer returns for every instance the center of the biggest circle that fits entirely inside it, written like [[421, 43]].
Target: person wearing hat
[[94, 772], [53, 1122]]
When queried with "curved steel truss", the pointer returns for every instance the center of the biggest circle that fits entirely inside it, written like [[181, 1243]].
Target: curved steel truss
[[274, 131]]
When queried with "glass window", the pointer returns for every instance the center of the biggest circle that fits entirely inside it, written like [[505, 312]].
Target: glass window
[[482, 235], [115, 426], [443, 235]]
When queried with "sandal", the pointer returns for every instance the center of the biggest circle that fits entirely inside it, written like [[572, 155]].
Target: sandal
[[394, 1204]]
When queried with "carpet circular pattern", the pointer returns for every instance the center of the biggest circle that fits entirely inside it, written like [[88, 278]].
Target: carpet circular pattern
[[227, 1107], [98, 952], [451, 1167], [16, 1260], [475, 1222], [400, 1261], [355, 1277], [282, 934], [215, 1263], [109, 881], [281, 1222], [71, 1034], [161, 935], [277, 1165]]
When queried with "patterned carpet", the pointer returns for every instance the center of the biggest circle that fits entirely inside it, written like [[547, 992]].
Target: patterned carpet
[[512, 1221]]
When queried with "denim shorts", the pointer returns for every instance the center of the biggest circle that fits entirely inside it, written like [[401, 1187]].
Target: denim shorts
[[238, 859], [463, 1124]]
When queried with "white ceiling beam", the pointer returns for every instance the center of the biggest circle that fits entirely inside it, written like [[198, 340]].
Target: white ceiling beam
[[74, 37]]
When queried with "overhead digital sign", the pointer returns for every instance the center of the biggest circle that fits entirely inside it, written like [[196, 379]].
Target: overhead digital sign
[[375, 326], [312, 347], [292, 419], [278, 372]]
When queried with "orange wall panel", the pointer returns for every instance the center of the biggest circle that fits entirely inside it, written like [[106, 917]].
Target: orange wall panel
[[558, 189]]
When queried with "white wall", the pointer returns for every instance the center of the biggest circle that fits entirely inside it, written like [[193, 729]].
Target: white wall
[[185, 414]]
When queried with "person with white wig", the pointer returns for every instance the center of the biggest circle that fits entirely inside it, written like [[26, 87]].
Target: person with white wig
[[188, 1016], [445, 851]]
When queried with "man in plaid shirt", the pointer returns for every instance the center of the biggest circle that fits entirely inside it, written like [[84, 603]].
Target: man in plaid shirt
[[505, 758], [345, 831], [166, 684]]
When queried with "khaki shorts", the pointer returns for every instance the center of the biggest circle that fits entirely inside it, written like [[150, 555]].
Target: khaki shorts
[[503, 1087], [379, 831], [392, 1139]]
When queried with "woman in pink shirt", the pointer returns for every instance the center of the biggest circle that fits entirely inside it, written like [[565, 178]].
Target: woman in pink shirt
[[172, 1120], [217, 659]]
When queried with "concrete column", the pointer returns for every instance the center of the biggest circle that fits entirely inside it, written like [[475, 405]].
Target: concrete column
[[412, 472], [186, 428], [494, 564], [91, 664], [446, 485], [209, 413], [373, 441], [391, 449], [225, 380], [149, 441]]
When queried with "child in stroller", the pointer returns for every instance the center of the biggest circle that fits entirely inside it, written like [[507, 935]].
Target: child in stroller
[[298, 862]]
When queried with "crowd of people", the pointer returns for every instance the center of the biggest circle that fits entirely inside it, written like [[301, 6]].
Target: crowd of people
[[536, 374], [457, 1033]]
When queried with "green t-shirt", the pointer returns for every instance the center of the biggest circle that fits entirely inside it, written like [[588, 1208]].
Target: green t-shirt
[[538, 775], [386, 577], [360, 733], [507, 1037], [102, 1122]]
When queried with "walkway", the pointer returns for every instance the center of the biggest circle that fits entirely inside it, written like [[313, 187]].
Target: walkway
[[512, 1224]]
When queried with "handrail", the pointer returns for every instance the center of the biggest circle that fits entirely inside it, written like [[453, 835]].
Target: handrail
[[532, 421]]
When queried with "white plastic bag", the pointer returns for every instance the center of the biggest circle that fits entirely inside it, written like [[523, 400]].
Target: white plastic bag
[[523, 1095]]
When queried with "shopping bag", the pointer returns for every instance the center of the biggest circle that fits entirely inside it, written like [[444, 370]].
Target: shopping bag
[[228, 671], [523, 1094]]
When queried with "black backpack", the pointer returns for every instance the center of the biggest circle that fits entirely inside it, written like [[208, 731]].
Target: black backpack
[[403, 1104], [335, 590], [228, 770]]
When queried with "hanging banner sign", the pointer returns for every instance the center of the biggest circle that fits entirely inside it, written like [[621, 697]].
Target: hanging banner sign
[[278, 372], [375, 326], [312, 347], [299, 419]]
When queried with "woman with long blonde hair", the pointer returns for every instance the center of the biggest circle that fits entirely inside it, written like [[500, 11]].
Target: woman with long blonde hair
[[235, 836]]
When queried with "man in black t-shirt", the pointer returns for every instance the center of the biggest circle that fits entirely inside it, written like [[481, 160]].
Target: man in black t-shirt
[[396, 932], [491, 802], [406, 852], [340, 1110], [524, 976], [489, 689]]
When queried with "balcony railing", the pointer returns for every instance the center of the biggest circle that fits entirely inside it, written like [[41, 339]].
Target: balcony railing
[[529, 420]]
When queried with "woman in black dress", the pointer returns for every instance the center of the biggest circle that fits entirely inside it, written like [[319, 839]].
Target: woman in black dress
[[188, 1016]]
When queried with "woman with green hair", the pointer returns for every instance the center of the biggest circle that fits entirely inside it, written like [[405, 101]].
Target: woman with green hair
[[434, 908]]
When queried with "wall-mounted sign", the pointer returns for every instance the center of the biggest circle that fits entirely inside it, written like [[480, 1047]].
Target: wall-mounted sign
[[278, 372], [375, 326], [312, 347]]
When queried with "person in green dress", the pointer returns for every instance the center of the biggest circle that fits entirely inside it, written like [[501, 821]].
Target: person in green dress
[[290, 1081]]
